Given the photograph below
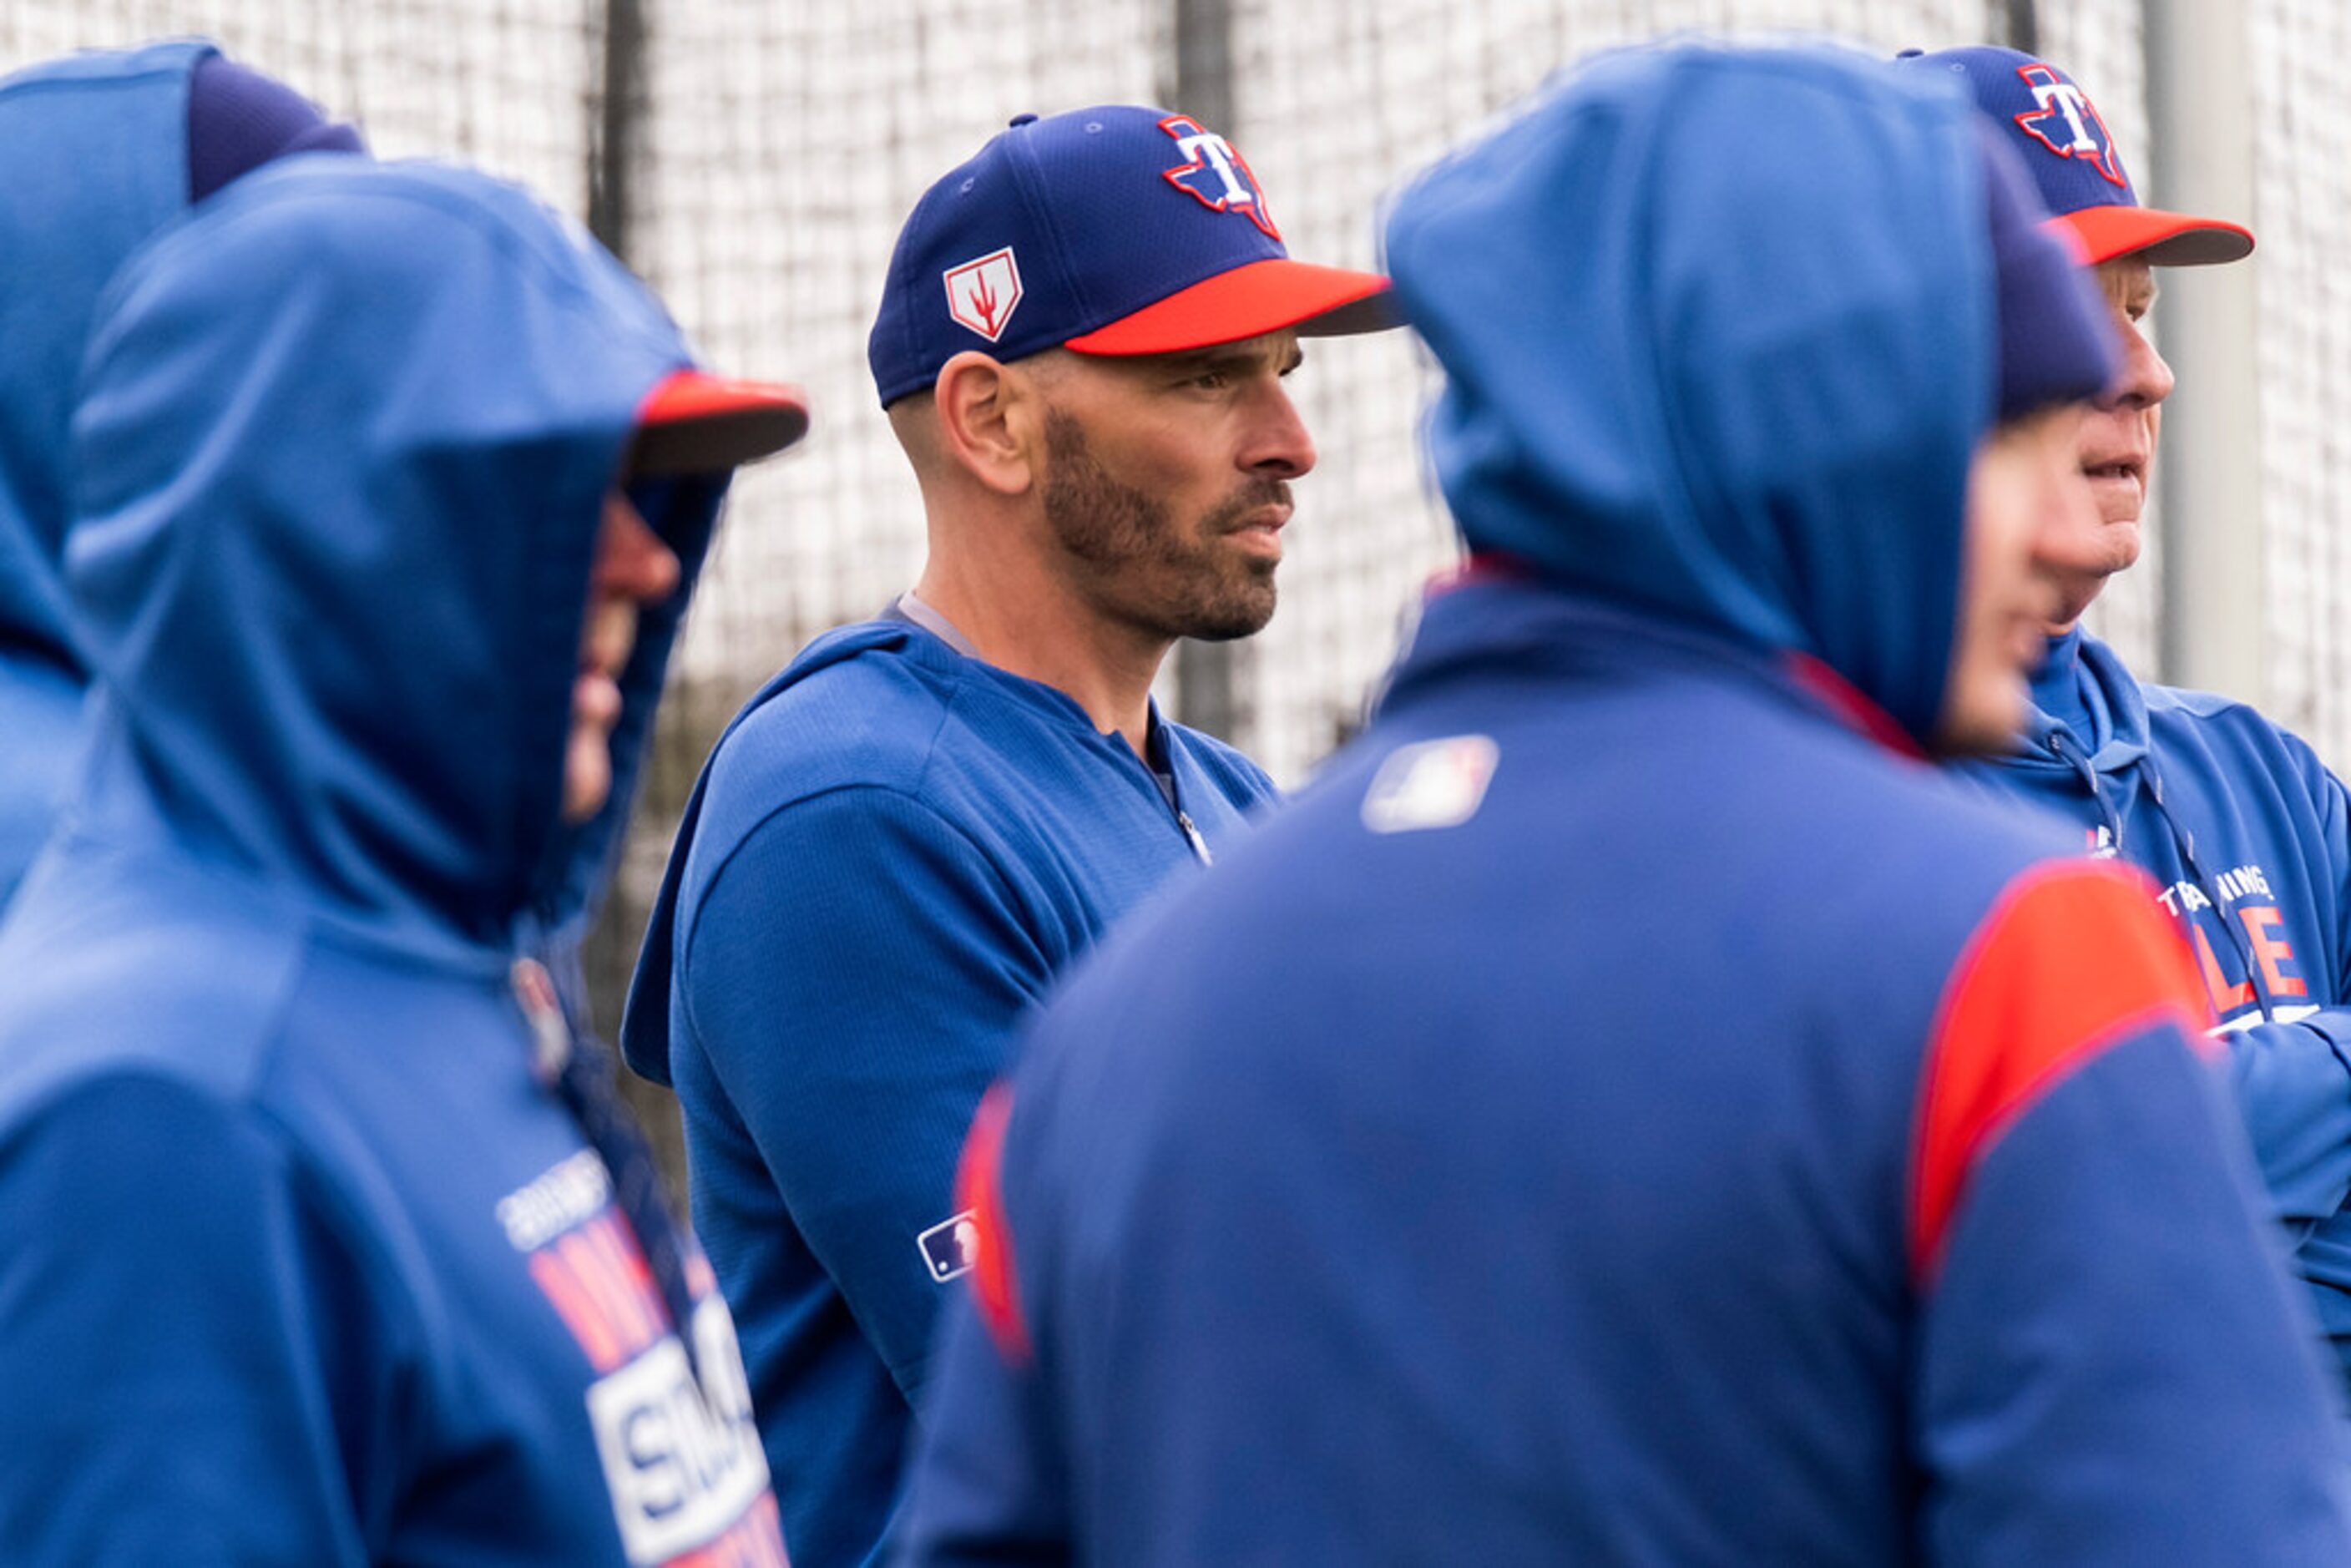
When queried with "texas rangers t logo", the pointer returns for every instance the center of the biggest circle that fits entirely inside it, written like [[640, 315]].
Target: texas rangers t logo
[[2068, 124], [1215, 175], [981, 294]]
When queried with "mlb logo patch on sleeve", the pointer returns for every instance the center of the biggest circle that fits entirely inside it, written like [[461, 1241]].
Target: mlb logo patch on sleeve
[[950, 1246], [1431, 784]]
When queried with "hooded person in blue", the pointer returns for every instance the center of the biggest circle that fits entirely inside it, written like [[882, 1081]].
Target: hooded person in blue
[[909, 832], [320, 1242], [1628, 1109], [102, 149], [2247, 834]]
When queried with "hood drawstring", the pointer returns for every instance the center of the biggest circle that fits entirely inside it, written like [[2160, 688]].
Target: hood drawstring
[[577, 1068], [2061, 743], [2185, 844]]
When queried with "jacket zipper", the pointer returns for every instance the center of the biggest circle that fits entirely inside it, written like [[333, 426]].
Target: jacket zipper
[[1200, 844]]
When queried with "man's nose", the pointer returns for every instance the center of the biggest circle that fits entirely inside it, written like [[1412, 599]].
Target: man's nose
[[1279, 446], [633, 561], [2146, 381]]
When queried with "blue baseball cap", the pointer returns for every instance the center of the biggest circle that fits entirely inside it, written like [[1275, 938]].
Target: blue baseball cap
[[1113, 230], [2062, 140], [239, 119], [2056, 343]]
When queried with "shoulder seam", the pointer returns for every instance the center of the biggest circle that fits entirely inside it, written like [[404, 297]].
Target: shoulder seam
[[689, 921]]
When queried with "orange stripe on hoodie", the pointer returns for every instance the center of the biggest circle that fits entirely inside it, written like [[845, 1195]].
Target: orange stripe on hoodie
[[978, 1187], [2072, 959]]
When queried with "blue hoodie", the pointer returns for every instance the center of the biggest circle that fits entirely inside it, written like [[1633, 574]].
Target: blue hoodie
[[119, 124], [893, 850], [301, 1258], [1622, 1113], [98, 156], [2249, 839]]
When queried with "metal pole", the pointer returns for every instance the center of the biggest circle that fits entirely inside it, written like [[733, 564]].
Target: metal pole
[[2199, 85], [613, 131], [2023, 20], [1208, 689]]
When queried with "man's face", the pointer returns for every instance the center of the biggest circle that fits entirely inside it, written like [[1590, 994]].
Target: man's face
[[1166, 483], [2117, 452], [633, 569], [2025, 488]]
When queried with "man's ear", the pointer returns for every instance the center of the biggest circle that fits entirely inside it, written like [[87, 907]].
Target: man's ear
[[989, 423]]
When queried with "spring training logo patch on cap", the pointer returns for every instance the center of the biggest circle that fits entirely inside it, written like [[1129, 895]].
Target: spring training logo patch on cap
[[982, 294], [2068, 124], [1215, 174]]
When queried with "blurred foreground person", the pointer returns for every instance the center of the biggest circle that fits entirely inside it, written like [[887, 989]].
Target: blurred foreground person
[[2247, 834], [101, 150], [320, 1242], [1632, 1109]]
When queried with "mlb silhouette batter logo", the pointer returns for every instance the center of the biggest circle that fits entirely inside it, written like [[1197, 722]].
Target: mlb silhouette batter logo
[[981, 294], [2068, 124], [1215, 175], [951, 1247]]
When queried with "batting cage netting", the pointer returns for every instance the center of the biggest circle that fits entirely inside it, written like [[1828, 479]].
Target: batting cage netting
[[754, 159]]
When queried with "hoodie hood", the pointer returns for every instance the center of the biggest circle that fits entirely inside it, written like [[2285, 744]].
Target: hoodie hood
[[341, 451], [1718, 338], [99, 161], [2083, 675]]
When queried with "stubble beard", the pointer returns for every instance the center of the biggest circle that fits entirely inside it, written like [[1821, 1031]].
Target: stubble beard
[[1134, 560]]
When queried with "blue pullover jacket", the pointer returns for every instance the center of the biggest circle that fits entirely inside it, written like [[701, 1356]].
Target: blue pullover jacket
[[892, 852], [303, 1261], [97, 150], [1621, 1113], [2244, 831], [66, 224]]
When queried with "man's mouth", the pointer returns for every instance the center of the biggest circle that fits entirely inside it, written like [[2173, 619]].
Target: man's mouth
[[1259, 531], [612, 637]]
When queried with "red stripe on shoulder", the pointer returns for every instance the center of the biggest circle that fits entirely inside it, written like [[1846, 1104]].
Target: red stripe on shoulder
[[979, 1188], [1849, 705], [2072, 959]]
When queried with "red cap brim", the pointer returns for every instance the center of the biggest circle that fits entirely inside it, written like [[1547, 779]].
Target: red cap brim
[[1247, 302], [697, 424], [2157, 237]]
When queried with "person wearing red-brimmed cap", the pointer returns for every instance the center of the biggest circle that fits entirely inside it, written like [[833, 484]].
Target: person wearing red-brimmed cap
[[323, 1237], [918, 825], [2241, 825]]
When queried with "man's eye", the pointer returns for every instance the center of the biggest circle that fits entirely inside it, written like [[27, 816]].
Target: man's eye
[[1210, 381]]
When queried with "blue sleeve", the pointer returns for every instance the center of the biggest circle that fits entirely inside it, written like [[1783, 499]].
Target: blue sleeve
[[182, 1373], [2292, 1085], [2113, 1367], [854, 973]]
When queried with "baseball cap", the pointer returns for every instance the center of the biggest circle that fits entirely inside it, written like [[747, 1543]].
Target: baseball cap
[[2062, 140], [1112, 230], [239, 119], [695, 423]]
